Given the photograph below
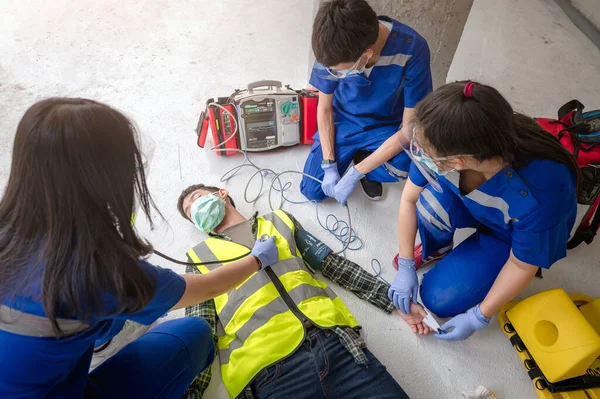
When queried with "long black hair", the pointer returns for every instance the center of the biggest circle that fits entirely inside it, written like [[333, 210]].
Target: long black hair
[[477, 120], [66, 212]]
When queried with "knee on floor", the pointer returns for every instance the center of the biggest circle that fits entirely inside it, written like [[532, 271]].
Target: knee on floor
[[311, 189], [444, 301], [197, 337]]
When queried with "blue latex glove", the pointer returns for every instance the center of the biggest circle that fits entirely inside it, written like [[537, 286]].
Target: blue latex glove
[[345, 187], [266, 252], [464, 325], [331, 178], [405, 284]]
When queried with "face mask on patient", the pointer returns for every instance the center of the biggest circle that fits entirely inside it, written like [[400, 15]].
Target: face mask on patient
[[207, 212]]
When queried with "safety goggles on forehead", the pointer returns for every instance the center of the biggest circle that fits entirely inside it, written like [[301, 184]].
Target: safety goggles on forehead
[[353, 70]]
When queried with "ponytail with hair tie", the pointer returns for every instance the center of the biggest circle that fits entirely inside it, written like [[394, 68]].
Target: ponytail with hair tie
[[454, 122], [468, 89]]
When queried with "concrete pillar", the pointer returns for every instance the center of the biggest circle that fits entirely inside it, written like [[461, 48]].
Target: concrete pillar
[[440, 22]]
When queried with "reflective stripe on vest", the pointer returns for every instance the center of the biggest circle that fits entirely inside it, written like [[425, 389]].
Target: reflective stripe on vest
[[226, 250], [256, 326]]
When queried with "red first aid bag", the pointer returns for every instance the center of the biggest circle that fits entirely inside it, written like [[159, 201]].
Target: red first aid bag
[[309, 100], [221, 116], [579, 132]]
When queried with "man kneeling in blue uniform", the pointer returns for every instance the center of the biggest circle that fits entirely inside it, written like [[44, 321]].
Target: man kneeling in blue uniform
[[284, 334], [371, 72]]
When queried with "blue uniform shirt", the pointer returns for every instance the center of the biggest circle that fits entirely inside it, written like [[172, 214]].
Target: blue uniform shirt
[[36, 367], [532, 207], [400, 78]]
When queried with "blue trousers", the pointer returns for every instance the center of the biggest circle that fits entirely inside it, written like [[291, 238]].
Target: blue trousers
[[346, 146], [323, 368], [463, 278], [160, 364]]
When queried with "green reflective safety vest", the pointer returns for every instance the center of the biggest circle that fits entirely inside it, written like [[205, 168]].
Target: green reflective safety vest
[[263, 320]]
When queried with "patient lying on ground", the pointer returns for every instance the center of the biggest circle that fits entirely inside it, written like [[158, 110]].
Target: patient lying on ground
[[307, 325]]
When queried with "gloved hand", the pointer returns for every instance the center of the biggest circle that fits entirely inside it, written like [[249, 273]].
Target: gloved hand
[[345, 187], [464, 325], [331, 178], [266, 252], [405, 284]]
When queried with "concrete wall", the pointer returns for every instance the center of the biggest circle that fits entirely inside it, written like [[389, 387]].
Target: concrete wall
[[440, 22], [590, 9]]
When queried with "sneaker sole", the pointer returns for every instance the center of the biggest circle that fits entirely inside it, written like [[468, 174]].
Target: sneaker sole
[[371, 198], [377, 198]]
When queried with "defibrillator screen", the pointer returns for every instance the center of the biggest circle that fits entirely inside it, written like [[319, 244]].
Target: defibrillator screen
[[260, 126], [260, 123]]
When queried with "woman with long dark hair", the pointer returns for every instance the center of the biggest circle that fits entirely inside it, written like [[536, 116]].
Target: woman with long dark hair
[[72, 268], [478, 164]]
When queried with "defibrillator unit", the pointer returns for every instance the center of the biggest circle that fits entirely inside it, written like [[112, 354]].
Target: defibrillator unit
[[262, 117], [268, 116]]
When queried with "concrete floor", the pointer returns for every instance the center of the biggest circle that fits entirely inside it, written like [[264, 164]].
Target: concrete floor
[[159, 61]]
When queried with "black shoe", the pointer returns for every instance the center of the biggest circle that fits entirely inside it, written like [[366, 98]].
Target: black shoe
[[372, 189]]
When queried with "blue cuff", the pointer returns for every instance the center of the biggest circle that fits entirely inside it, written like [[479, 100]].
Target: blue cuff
[[326, 166], [406, 263], [354, 174]]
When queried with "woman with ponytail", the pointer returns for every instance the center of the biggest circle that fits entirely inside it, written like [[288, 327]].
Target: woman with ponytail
[[479, 164]]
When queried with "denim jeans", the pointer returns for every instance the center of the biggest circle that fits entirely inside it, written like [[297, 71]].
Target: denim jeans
[[160, 364], [323, 368]]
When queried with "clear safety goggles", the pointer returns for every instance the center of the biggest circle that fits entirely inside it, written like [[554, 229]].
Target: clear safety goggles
[[418, 153], [408, 141], [353, 70]]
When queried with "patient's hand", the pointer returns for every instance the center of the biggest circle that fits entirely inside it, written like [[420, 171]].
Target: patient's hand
[[415, 319]]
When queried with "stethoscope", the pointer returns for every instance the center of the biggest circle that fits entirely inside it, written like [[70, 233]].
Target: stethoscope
[[263, 238]]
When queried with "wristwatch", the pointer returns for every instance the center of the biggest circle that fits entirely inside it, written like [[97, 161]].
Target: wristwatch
[[327, 161]]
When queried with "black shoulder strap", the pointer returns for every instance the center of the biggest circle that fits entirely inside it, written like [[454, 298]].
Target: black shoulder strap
[[596, 221], [576, 240], [570, 106], [588, 234]]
